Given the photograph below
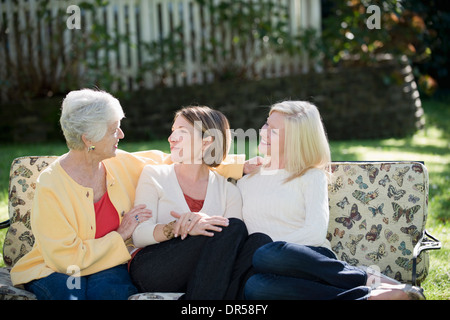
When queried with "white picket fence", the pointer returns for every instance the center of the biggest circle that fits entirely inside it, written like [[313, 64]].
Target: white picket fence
[[27, 37]]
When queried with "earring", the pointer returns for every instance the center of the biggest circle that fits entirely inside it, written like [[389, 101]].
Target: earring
[[91, 148]]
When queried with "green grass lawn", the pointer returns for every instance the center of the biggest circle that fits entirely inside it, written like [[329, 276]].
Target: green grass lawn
[[431, 145]]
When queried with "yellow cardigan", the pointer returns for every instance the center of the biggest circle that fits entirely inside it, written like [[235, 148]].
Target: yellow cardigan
[[63, 217]]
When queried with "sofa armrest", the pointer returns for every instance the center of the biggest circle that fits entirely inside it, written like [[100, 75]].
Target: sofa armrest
[[426, 242], [5, 224]]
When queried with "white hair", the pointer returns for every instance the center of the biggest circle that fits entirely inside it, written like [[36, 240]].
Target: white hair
[[88, 112]]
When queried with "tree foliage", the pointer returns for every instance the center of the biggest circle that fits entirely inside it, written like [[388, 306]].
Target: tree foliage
[[416, 29]]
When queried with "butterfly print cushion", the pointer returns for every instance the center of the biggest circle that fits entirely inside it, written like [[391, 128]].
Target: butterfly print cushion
[[22, 183], [378, 212]]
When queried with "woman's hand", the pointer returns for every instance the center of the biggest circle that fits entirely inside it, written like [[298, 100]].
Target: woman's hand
[[197, 223], [131, 219], [252, 164]]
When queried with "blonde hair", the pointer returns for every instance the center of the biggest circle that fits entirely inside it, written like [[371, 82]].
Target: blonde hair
[[214, 124], [306, 144]]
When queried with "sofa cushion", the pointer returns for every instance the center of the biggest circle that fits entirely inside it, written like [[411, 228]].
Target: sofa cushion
[[156, 296], [378, 212], [9, 292], [22, 182]]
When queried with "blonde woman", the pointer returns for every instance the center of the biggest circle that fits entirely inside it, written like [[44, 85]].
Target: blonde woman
[[287, 199], [196, 233]]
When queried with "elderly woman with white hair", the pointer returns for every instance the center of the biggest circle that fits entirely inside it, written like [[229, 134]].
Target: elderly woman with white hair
[[83, 210]]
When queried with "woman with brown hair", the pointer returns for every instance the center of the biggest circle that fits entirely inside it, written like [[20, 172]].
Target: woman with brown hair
[[196, 233]]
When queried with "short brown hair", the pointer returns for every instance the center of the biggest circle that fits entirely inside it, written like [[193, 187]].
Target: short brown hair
[[215, 124]]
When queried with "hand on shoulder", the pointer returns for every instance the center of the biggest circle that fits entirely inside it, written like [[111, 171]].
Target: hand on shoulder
[[252, 164]]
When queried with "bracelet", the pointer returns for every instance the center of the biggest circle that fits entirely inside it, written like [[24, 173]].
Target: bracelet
[[168, 230]]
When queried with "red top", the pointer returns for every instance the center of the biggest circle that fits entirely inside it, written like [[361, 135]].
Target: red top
[[106, 216], [194, 204]]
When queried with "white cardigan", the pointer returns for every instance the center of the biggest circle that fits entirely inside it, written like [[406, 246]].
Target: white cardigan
[[159, 190], [295, 212]]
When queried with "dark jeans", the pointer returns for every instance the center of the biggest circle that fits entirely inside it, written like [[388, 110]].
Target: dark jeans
[[202, 267], [109, 284], [290, 271], [243, 266]]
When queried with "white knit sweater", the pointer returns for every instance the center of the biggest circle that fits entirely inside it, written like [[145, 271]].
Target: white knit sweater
[[159, 190], [295, 212]]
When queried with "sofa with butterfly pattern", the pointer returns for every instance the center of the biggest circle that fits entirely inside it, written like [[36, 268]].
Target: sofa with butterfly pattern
[[378, 212]]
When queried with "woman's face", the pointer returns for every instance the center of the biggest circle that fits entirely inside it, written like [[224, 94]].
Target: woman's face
[[272, 136], [185, 142], [106, 148]]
